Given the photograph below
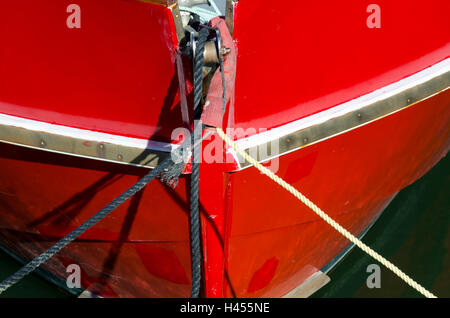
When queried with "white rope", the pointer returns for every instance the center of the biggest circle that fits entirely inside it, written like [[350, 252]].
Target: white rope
[[325, 217]]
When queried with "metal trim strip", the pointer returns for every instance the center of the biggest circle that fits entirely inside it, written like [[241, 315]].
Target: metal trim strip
[[348, 116], [291, 137]]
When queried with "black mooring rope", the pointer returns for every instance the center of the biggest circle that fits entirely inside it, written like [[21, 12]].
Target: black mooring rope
[[49, 253], [196, 254], [168, 171]]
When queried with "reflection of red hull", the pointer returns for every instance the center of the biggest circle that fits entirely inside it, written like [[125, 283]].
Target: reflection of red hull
[[258, 240]]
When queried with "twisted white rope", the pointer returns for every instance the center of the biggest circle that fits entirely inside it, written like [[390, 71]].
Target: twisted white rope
[[325, 217]]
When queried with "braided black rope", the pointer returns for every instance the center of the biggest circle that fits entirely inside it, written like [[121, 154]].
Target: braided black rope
[[196, 255], [49, 253], [198, 71], [169, 173]]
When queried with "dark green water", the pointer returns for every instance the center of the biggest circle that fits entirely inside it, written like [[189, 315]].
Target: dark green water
[[413, 233], [29, 287]]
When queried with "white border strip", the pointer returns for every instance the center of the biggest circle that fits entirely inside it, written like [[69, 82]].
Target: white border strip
[[347, 107], [85, 134], [245, 143]]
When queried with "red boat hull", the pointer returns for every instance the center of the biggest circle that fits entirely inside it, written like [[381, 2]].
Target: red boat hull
[[66, 138], [270, 243]]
